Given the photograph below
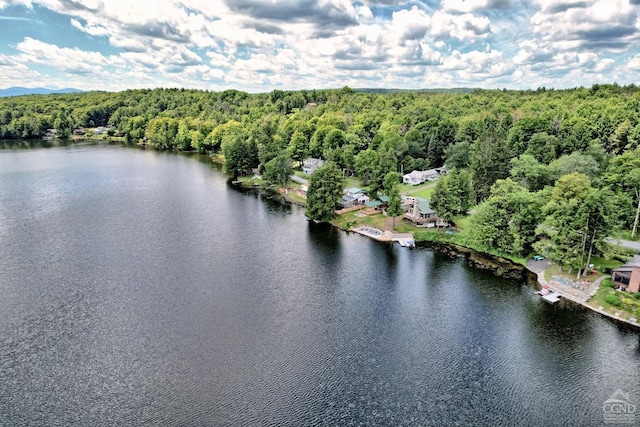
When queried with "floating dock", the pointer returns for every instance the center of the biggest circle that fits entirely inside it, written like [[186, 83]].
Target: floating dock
[[549, 295], [407, 243], [406, 240]]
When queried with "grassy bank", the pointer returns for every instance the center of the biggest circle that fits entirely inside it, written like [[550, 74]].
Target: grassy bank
[[461, 237], [618, 303], [355, 218]]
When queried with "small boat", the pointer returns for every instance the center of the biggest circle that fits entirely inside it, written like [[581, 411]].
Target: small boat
[[549, 295]]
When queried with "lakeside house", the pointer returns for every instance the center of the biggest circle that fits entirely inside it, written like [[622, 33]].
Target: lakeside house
[[50, 134], [379, 204], [627, 276], [418, 177], [311, 164], [353, 196], [420, 213]]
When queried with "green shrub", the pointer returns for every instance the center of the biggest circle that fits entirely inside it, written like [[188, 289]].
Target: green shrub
[[637, 295], [607, 283], [612, 299], [629, 301]]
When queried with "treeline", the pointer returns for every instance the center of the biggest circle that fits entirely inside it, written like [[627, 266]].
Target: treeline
[[534, 138]]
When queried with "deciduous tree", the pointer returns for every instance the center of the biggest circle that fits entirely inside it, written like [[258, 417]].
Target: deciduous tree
[[279, 169]]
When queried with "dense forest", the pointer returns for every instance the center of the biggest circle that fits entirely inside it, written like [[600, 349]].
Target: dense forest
[[548, 170]]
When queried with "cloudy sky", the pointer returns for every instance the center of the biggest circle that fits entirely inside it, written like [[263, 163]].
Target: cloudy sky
[[261, 45]]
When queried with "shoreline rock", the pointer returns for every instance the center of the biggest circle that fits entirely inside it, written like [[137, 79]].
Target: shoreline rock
[[499, 266]]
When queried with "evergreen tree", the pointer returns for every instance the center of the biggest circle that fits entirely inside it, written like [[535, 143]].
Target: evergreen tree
[[325, 189], [394, 208], [489, 162], [624, 172]]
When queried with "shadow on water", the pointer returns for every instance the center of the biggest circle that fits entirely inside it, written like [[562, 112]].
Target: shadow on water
[[34, 144], [439, 266], [324, 237], [26, 144], [274, 204], [273, 201], [563, 320], [390, 254]]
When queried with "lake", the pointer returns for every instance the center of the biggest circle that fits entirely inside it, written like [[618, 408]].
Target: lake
[[140, 288]]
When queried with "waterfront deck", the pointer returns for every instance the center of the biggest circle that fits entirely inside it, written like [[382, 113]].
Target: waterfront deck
[[404, 239]]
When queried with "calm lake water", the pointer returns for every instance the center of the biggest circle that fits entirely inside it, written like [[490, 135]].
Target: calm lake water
[[139, 288]]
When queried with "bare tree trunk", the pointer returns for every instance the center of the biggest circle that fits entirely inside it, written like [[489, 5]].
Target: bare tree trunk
[[584, 243], [586, 266], [635, 222]]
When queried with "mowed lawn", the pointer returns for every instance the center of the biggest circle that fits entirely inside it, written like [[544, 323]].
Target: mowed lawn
[[424, 193]]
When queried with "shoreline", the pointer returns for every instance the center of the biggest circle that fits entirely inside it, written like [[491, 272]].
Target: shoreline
[[478, 259], [584, 301], [498, 265]]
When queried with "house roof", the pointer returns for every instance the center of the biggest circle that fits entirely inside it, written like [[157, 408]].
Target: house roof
[[419, 174], [424, 206], [354, 190], [385, 199], [635, 262], [313, 161], [373, 204]]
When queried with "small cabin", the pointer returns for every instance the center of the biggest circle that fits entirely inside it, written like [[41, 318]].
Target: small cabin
[[627, 277]]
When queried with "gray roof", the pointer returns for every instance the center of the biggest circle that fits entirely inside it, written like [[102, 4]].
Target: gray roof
[[635, 262], [313, 161]]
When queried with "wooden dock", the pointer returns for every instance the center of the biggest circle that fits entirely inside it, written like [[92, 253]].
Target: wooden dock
[[406, 240], [549, 295]]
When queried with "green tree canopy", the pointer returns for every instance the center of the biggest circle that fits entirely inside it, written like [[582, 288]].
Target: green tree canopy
[[325, 189], [279, 169], [507, 220], [563, 230], [624, 173], [394, 207], [452, 195]]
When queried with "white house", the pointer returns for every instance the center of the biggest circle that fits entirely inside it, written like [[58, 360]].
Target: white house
[[418, 177], [311, 164]]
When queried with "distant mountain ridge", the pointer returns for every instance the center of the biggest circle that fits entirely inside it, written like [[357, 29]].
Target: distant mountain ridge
[[17, 91]]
